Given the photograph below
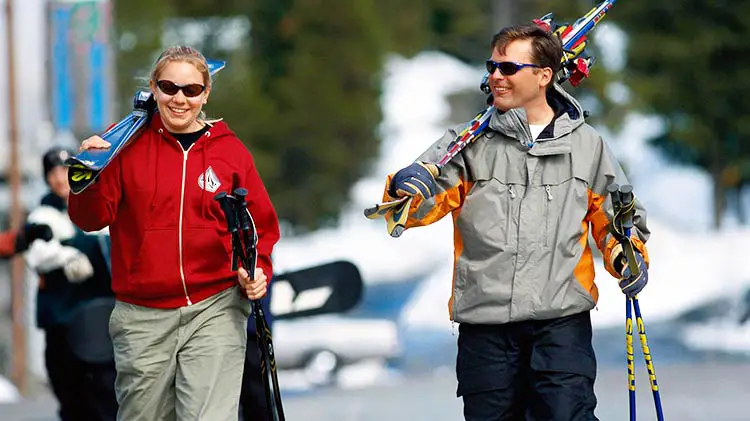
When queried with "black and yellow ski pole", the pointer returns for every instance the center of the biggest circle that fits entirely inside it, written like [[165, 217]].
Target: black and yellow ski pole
[[622, 223]]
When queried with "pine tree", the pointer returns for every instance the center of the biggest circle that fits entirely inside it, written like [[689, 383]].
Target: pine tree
[[687, 62]]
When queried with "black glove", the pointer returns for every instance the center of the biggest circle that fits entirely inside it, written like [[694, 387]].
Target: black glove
[[418, 179], [632, 285], [31, 232]]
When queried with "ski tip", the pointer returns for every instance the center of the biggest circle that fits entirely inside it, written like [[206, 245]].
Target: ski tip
[[371, 213], [397, 231], [214, 66]]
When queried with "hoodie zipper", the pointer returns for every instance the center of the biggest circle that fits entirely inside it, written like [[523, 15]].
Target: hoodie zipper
[[179, 232]]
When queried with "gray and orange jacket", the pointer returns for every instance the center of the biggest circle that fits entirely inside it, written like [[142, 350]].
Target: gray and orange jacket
[[522, 213]]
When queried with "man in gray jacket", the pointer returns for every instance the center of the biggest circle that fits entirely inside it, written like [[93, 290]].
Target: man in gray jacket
[[524, 198]]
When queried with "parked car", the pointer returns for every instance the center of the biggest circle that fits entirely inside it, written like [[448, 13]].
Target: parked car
[[321, 345]]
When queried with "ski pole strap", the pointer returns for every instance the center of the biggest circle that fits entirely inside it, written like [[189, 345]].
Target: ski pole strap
[[623, 203]]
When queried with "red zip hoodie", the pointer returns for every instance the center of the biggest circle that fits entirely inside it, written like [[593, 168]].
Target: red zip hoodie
[[170, 243]]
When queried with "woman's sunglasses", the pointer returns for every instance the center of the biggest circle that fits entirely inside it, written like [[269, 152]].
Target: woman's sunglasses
[[508, 68], [171, 88]]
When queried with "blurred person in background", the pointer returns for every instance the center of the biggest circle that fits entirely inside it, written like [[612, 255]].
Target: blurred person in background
[[524, 197], [180, 319], [74, 299]]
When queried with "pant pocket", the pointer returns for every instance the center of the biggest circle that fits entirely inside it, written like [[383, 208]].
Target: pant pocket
[[482, 379]]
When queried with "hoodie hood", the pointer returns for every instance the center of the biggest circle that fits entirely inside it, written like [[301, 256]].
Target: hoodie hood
[[217, 130]]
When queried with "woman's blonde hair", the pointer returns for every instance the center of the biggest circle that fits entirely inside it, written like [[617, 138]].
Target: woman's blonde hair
[[184, 54]]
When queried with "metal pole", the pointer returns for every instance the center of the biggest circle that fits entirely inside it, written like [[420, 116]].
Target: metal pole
[[504, 13], [18, 363]]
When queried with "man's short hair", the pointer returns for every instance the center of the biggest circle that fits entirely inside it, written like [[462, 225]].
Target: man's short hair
[[546, 49]]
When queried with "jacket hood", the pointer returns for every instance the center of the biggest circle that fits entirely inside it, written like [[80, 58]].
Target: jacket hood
[[568, 117]]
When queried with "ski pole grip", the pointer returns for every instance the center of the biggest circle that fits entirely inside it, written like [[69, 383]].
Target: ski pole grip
[[614, 193], [226, 206], [240, 194], [626, 193]]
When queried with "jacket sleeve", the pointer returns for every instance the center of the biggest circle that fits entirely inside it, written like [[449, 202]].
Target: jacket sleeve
[[96, 207], [7, 244], [606, 170], [264, 215], [452, 186]]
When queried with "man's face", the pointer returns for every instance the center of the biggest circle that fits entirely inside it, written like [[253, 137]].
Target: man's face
[[523, 88], [57, 179]]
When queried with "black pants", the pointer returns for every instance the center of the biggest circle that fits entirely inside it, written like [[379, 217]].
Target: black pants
[[528, 371], [84, 391], [253, 395]]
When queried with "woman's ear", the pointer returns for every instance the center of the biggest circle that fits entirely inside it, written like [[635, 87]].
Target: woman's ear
[[152, 86], [206, 94]]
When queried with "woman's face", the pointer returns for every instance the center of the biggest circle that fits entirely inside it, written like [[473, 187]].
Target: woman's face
[[178, 109]]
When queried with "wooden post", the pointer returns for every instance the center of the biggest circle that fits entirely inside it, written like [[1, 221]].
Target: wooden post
[[504, 13], [18, 356]]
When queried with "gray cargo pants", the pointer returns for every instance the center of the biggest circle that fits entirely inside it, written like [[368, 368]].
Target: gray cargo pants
[[180, 364]]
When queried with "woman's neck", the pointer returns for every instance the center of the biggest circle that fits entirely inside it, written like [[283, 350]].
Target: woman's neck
[[192, 128]]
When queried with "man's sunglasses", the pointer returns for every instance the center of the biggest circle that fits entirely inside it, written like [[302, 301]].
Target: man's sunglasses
[[508, 68], [171, 88]]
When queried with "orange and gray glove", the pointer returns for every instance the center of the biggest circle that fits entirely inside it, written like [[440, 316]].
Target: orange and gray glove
[[418, 179]]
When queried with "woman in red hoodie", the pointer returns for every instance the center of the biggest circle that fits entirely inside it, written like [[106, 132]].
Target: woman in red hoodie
[[179, 325]]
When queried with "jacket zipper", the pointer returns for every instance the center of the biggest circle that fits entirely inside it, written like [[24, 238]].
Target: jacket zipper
[[547, 204], [179, 233], [509, 214]]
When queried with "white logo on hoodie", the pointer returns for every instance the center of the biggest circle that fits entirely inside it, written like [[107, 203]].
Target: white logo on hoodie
[[208, 181]]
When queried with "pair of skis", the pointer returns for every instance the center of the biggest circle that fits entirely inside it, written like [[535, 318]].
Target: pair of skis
[[244, 251], [623, 203], [575, 67], [86, 166]]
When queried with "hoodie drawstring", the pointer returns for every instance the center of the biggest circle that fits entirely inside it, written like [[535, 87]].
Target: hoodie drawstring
[[156, 169], [205, 175]]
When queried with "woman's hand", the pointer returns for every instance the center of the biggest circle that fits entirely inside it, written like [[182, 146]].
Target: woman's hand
[[254, 288], [94, 142]]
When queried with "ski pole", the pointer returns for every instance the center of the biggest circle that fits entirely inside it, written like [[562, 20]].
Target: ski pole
[[244, 249], [649, 361], [630, 356], [623, 203]]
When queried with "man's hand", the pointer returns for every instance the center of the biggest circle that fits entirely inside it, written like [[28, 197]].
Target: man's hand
[[632, 285], [254, 288], [418, 179]]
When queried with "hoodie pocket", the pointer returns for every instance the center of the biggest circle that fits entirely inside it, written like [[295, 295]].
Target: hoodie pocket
[[156, 269], [206, 254]]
